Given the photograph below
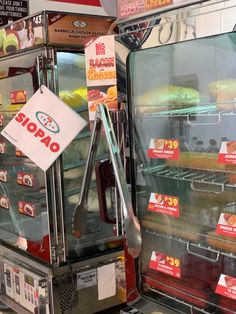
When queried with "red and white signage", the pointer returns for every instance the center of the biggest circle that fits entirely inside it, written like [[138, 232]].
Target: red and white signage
[[101, 73], [165, 264], [227, 225], [227, 154], [84, 2], [226, 286], [26, 208], [164, 204], [163, 149], [18, 97], [43, 128], [128, 8]]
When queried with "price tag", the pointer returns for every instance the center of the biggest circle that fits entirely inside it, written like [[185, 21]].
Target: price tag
[[86, 279], [226, 286], [227, 154], [164, 149], [164, 204], [165, 264], [227, 225]]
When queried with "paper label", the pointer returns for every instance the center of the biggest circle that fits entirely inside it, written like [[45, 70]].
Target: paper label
[[164, 149], [18, 97], [86, 279], [227, 225], [226, 286], [106, 276], [3, 175], [43, 128], [25, 179], [164, 204], [4, 202], [165, 264], [26, 208], [227, 154], [101, 73]]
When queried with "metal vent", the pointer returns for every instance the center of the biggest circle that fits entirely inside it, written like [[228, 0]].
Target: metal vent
[[69, 299]]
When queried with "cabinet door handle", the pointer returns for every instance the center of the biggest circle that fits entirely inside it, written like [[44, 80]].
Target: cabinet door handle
[[206, 119], [204, 185]]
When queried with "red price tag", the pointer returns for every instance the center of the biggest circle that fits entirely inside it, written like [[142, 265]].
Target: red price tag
[[165, 264], [163, 149], [226, 286], [164, 204]]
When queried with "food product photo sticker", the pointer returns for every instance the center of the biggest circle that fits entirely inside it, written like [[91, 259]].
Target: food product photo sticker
[[163, 149], [227, 225], [165, 264], [43, 128], [226, 286], [164, 204]]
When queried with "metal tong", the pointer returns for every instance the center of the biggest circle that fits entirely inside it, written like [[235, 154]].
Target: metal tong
[[131, 224]]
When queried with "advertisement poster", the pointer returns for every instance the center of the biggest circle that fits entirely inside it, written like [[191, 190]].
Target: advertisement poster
[[21, 35], [226, 286], [163, 149], [227, 154], [73, 29], [126, 8], [101, 73], [13, 10], [165, 264], [227, 225], [41, 129], [164, 204]]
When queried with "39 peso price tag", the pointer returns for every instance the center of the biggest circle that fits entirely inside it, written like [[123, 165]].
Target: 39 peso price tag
[[226, 286], [165, 264], [164, 204], [164, 149]]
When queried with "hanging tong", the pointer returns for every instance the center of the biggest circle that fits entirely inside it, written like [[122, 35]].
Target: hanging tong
[[131, 224]]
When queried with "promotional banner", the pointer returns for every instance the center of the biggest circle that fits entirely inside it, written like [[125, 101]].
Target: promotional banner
[[126, 8], [42, 129], [101, 73]]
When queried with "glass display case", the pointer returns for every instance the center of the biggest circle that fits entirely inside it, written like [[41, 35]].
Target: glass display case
[[38, 250], [181, 105]]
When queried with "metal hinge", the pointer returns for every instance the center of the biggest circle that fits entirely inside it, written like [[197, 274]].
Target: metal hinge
[[45, 63], [58, 253]]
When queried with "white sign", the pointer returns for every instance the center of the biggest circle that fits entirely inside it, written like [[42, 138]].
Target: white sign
[[106, 276], [86, 279], [43, 128]]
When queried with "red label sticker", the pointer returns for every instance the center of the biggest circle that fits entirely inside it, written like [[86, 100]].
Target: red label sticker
[[226, 286], [165, 264], [19, 153], [4, 202], [163, 149], [26, 208], [3, 148], [3, 175], [18, 97], [164, 204], [227, 154], [25, 179], [227, 225]]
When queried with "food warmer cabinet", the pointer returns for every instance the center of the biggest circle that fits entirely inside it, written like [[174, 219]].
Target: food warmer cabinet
[[182, 117], [44, 267]]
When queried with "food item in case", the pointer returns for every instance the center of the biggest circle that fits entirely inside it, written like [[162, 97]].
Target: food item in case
[[231, 174], [225, 93], [75, 98], [221, 242], [206, 161], [11, 43], [166, 98], [172, 226], [2, 36]]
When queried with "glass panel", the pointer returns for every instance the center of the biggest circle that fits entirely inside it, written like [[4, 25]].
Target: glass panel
[[99, 235], [183, 109], [23, 205]]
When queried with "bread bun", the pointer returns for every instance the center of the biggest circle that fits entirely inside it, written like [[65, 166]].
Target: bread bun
[[221, 242], [224, 91]]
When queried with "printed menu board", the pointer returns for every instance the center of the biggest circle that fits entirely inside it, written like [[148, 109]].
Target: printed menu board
[[12, 10], [127, 8]]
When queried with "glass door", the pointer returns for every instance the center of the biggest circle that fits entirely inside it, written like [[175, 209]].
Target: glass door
[[23, 199], [183, 136], [100, 235]]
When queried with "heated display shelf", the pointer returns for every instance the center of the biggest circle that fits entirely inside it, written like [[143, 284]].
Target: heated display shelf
[[182, 117], [44, 268]]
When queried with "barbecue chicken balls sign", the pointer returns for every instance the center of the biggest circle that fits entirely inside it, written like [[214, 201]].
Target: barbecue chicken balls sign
[[43, 128]]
